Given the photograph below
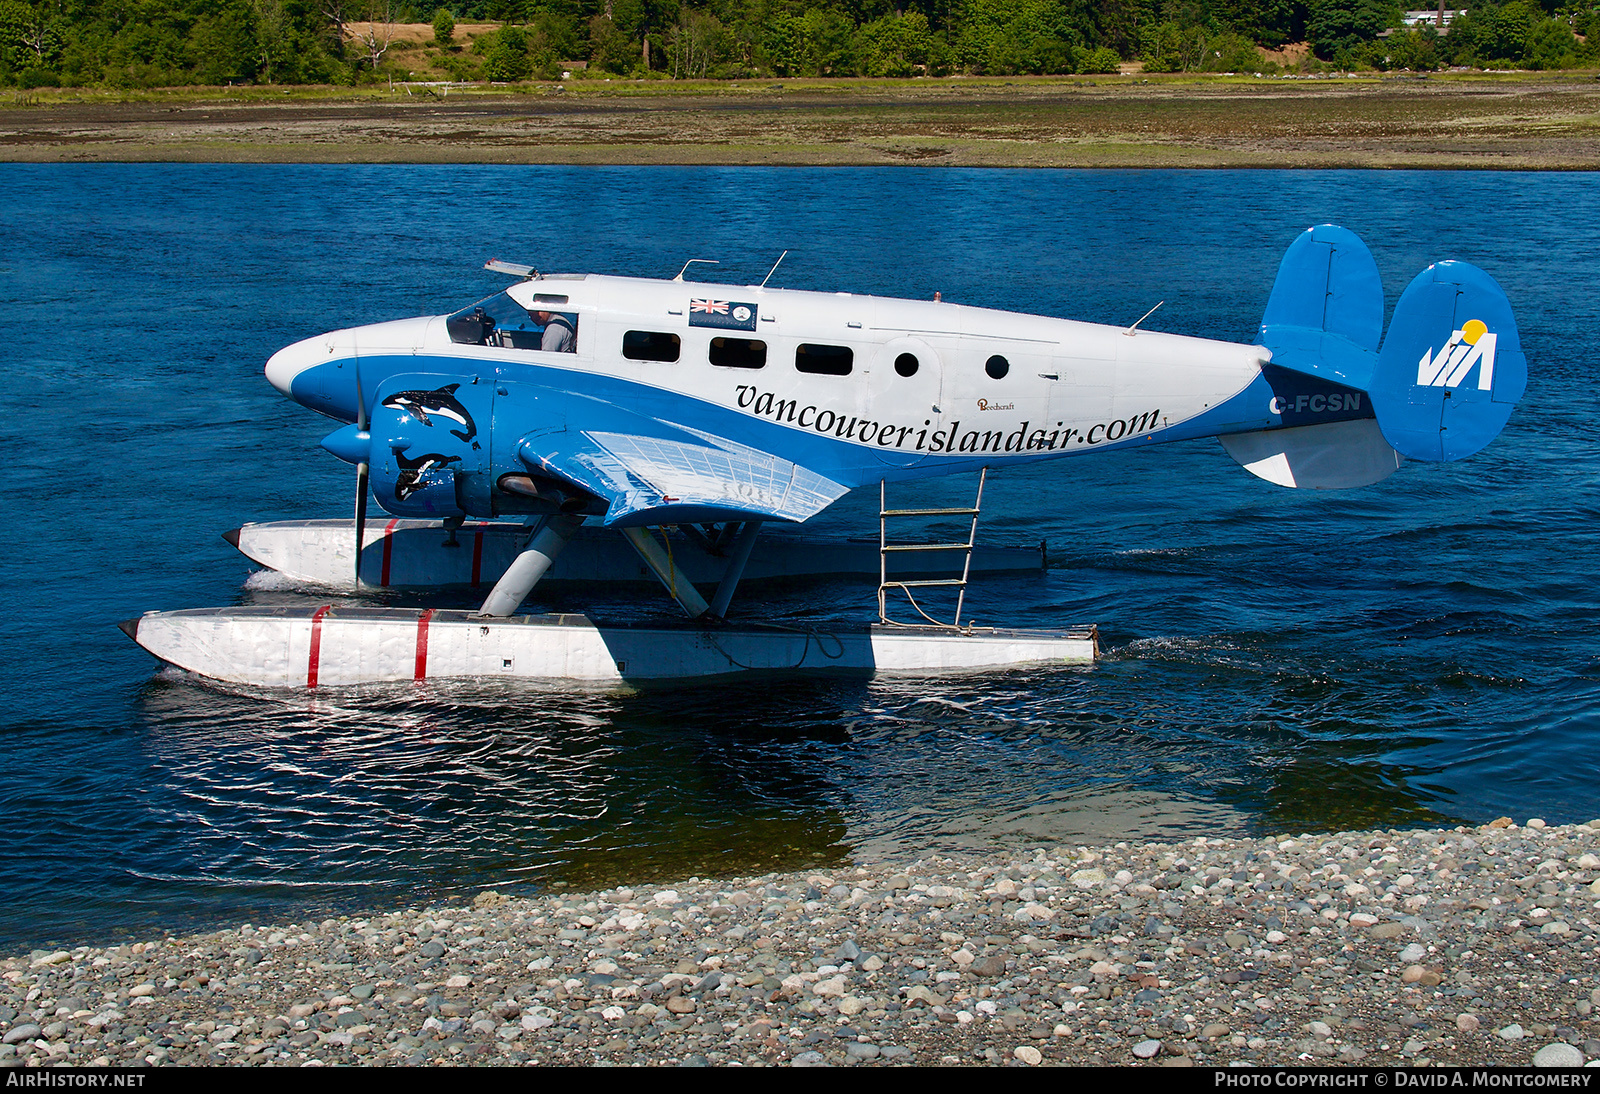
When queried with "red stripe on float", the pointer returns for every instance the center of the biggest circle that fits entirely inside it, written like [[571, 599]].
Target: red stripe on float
[[314, 659], [477, 555], [422, 644], [388, 550]]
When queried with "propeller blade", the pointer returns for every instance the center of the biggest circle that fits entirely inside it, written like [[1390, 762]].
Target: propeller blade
[[362, 469], [361, 515]]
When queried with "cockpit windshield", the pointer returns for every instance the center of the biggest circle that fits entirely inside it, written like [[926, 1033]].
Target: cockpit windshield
[[501, 321]]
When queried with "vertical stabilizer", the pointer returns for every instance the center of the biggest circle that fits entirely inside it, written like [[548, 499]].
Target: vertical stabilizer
[[1452, 367], [1325, 314], [1446, 380]]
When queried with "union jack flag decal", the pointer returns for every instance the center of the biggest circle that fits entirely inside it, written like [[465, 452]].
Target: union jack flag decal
[[725, 314]]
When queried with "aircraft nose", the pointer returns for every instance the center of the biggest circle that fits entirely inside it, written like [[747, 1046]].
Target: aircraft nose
[[285, 365]]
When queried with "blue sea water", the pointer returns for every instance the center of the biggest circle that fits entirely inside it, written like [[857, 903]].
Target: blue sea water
[[1419, 652]]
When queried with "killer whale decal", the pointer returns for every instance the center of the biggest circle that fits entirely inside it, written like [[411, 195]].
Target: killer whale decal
[[441, 401], [410, 478]]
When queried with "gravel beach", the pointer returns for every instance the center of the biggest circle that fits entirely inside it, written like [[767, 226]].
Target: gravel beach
[[1472, 946]]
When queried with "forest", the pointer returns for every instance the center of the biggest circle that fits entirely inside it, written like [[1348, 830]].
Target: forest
[[164, 43]]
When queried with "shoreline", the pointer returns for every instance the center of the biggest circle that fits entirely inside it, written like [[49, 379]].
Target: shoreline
[[1448, 121], [1466, 946]]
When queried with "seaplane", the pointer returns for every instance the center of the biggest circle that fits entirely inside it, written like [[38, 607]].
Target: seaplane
[[672, 420]]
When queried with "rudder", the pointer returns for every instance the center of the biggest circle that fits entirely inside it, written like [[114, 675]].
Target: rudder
[[1452, 368]]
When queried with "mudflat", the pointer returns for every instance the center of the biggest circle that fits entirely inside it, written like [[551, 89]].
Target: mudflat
[[1517, 122]]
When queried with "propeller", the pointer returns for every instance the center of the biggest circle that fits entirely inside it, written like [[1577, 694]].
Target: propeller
[[362, 470]]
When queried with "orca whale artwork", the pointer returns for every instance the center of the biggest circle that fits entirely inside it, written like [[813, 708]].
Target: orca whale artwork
[[669, 408]]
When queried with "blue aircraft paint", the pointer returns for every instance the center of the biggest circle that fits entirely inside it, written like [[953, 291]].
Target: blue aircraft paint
[[1442, 386], [1452, 328]]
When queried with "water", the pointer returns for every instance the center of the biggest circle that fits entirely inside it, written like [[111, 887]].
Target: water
[[1419, 652]]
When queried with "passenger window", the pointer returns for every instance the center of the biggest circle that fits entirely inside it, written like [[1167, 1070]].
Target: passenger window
[[997, 367], [906, 364], [738, 353], [649, 345], [824, 360]]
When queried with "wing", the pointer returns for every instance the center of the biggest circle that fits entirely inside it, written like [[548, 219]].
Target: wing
[[664, 474]]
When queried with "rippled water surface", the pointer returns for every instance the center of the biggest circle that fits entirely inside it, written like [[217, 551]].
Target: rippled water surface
[[1421, 651]]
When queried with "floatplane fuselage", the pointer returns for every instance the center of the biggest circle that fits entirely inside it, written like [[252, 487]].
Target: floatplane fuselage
[[852, 389], [633, 403]]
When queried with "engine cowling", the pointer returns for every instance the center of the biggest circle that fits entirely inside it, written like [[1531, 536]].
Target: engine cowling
[[427, 443]]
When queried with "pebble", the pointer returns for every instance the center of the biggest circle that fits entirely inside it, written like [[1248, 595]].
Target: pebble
[[1558, 1055], [1208, 952]]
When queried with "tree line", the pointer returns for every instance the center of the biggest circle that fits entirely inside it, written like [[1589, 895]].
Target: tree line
[[148, 43]]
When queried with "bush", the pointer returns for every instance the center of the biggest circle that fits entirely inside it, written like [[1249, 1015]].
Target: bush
[[1102, 60], [610, 50], [1551, 44], [506, 58], [1336, 28], [444, 26], [1416, 49], [897, 45]]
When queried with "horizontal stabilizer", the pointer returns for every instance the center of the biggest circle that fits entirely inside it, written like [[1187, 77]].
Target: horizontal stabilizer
[[1330, 456], [1452, 367]]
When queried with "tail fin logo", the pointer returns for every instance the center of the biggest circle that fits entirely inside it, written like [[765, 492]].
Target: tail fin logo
[[1472, 345]]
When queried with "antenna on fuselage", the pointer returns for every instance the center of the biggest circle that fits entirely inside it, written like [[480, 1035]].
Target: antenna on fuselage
[[1131, 330], [774, 269], [691, 262]]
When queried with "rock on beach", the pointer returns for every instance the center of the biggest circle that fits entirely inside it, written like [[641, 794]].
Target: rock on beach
[[1371, 948]]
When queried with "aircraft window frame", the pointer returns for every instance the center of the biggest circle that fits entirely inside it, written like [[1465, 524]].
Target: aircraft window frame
[[652, 345], [997, 367], [754, 352], [906, 365], [830, 361]]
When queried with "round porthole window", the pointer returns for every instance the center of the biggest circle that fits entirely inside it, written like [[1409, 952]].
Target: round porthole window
[[906, 364], [997, 367]]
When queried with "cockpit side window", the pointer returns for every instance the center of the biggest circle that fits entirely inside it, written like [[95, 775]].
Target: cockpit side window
[[559, 333]]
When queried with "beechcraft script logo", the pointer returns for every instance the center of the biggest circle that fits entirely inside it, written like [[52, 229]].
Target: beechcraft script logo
[[1472, 345]]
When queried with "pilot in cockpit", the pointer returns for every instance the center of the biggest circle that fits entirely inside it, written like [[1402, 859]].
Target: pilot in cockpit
[[560, 332]]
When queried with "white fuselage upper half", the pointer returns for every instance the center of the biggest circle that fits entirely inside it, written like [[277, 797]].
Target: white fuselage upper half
[[885, 383]]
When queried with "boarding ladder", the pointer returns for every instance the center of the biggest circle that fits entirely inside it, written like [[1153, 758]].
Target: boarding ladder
[[885, 548]]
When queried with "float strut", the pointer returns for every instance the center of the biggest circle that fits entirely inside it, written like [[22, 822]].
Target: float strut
[[529, 566], [661, 564], [743, 544]]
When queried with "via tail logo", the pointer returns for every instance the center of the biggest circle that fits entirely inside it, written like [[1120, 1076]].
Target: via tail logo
[[1472, 345]]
